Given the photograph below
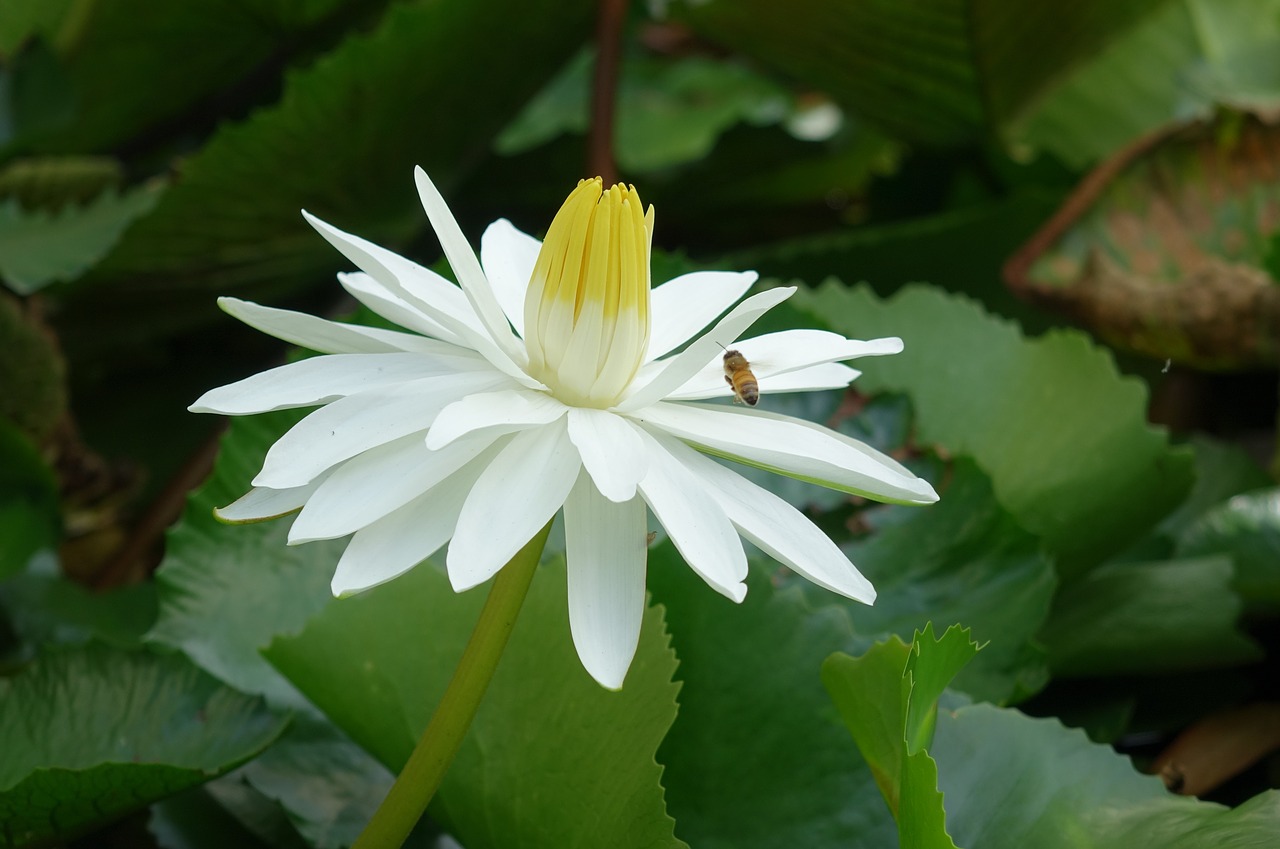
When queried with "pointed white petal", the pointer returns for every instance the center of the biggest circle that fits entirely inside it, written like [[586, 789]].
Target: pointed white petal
[[791, 447], [780, 530], [401, 540], [678, 369], [508, 257], [789, 350], [611, 451], [427, 292], [814, 378], [368, 291], [366, 420], [684, 305], [505, 411], [369, 486], [319, 380], [605, 545], [513, 499], [694, 521], [465, 265], [709, 383], [318, 334], [262, 503], [436, 297]]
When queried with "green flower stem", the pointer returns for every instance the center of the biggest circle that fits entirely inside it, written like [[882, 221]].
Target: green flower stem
[[422, 774]]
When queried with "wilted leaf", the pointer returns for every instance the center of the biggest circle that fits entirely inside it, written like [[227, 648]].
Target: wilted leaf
[[1161, 250]]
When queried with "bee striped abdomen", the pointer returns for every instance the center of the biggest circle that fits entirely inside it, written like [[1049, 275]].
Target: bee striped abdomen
[[737, 373]]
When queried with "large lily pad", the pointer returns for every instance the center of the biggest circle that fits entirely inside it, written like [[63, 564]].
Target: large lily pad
[[751, 695], [962, 560], [227, 590], [1061, 434], [1163, 249], [94, 733], [1008, 781], [1148, 619], [378, 663]]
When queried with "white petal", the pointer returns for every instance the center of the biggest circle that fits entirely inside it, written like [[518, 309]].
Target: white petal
[[318, 334], [789, 350], [684, 305], [427, 292], [611, 451], [508, 257], [513, 499], [401, 540], [319, 380], [709, 383], [465, 265], [606, 549], [366, 420], [444, 302], [373, 484], [504, 411], [678, 369], [262, 503], [791, 447], [814, 378], [695, 522], [368, 291], [780, 530]]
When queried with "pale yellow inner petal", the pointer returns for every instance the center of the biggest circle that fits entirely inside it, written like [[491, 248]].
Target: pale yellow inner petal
[[587, 307]]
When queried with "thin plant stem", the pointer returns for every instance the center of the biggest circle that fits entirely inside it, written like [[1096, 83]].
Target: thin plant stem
[[610, 16], [418, 781]]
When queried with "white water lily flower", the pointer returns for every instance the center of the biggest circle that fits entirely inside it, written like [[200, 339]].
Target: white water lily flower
[[546, 380]]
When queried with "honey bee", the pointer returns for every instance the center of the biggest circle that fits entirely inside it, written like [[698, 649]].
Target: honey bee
[[737, 373]]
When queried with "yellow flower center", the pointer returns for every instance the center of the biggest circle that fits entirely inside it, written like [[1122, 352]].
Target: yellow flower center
[[586, 313]]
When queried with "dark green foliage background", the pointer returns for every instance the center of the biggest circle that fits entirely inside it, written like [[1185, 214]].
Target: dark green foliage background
[[1082, 565]]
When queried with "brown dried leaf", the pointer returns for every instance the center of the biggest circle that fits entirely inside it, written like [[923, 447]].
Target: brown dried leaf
[[1163, 249]]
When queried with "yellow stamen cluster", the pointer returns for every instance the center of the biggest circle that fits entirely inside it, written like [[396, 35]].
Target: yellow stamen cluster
[[586, 312]]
